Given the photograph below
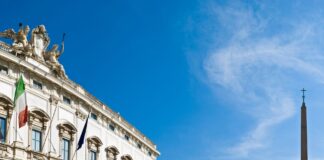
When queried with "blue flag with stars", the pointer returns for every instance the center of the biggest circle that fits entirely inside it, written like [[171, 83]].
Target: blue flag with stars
[[81, 139]]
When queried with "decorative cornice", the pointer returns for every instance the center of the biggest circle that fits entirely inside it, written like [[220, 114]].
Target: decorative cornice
[[84, 97]]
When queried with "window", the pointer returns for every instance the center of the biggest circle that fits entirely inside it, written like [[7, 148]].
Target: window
[[37, 126], [92, 155], [139, 146], [66, 149], [3, 69], [93, 116], [94, 144], [127, 137], [66, 100], [36, 140], [66, 135], [111, 127], [37, 85], [150, 154], [5, 110], [3, 129]]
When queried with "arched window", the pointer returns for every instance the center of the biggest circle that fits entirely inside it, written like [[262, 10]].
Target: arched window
[[126, 157], [6, 107], [37, 126], [111, 153], [94, 144], [66, 136]]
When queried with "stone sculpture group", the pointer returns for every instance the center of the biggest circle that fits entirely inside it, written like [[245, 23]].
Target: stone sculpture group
[[36, 47]]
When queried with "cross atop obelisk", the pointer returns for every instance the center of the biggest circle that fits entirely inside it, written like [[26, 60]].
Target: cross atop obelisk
[[304, 155], [303, 90]]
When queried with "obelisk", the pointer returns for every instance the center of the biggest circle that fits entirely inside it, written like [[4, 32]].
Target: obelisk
[[303, 129]]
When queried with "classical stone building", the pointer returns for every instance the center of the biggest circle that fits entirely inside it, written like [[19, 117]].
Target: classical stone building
[[57, 108]]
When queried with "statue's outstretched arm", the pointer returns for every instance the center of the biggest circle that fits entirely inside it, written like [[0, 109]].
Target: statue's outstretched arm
[[62, 45], [62, 49]]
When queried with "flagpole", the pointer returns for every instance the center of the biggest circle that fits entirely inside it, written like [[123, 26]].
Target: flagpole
[[9, 127], [11, 119], [20, 76], [74, 154], [16, 127], [86, 130], [49, 128], [16, 115], [26, 107], [82, 136]]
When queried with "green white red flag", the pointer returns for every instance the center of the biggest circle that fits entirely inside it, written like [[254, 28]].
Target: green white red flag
[[21, 103]]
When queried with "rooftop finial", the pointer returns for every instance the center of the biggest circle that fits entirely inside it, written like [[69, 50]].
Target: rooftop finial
[[303, 90]]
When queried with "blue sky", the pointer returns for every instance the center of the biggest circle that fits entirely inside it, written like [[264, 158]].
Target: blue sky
[[209, 80]]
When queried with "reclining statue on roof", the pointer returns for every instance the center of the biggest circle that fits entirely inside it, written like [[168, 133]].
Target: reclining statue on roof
[[51, 58]]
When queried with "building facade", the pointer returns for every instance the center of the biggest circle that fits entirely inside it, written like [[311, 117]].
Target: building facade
[[57, 108]]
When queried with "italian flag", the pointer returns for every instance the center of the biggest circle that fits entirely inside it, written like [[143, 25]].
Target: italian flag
[[20, 102]]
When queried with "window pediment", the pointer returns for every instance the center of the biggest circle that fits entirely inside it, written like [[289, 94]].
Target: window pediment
[[112, 149], [95, 140], [111, 153], [5, 101], [126, 157], [67, 126], [39, 114]]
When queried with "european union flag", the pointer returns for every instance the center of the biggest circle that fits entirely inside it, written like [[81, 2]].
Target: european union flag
[[81, 139]]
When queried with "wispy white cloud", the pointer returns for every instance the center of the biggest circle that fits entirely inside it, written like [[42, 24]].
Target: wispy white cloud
[[256, 66]]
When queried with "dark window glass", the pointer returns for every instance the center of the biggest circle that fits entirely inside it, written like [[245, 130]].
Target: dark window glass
[[93, 116], [139, 146], [37, 85], [111, 127], [3, 69], [3, 128], [36, 140], [126, 137], [66, 100], [66, 149]]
